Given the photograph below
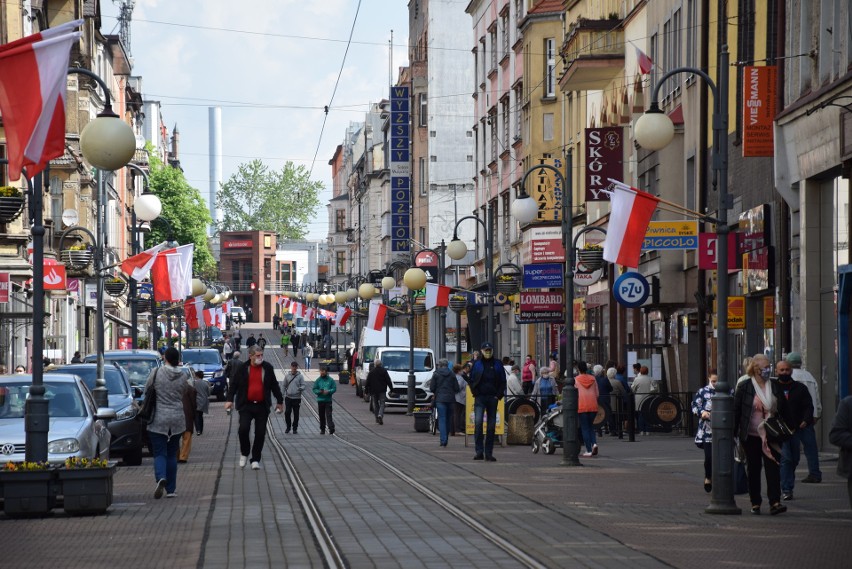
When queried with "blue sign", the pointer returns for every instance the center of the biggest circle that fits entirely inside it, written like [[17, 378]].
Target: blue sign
[[400, 167], [631, 290], [544, 275]]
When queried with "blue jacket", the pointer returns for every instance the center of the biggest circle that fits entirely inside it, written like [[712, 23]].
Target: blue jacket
[[476, 377], [444, 385]]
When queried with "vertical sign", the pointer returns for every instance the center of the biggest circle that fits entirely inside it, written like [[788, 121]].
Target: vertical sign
[[547, 190], [400, 168], [758, 110], [4, 288], [604, 159]]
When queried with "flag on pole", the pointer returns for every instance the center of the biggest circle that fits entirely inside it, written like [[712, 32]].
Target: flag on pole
[[172, 273], [209, 316], [376, 318], [310, 313], [342, 315], [138, 266], [628, 221], [437, 295], [192, 312], [297, 309], [32, 96], [643, 61]]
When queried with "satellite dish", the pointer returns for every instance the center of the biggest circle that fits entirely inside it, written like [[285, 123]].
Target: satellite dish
[[70, 217]]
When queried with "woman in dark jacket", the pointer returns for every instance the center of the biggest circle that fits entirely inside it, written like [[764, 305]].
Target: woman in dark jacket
[[756, 399], [444, 387]]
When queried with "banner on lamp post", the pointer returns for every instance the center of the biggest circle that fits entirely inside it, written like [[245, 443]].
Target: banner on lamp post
[[604, 159], [758, 110], [4, 288]]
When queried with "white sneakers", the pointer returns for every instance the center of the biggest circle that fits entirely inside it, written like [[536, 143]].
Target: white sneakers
[[594, 450], [160, 489], [586, 454], [255, 466], [243, 461]]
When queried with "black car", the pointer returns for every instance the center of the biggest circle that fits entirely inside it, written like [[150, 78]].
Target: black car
[[127, 433], [138, 364]]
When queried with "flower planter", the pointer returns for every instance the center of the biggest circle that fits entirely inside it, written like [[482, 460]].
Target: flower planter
[[143, 305], [115, 288], [28, 493], [76, 259], [10, 208], [458, 305], [418, 308], [421, 421], [510, 286], [344, 377], [591, 259], [86, 490]]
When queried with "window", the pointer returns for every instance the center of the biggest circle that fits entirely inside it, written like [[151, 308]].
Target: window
[[547, 126], [518, 99], [507, 219], [504, 26], [340, 220], [493, 46], [421, 174], [475, 70], [492, 125], [56, 199], [424, 115], [505, 113], [691, 32], [340, 263], [549, 67]]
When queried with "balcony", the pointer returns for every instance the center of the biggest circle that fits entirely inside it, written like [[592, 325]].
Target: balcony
[[593, 53]]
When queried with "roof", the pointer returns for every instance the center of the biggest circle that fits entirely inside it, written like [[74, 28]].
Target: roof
[[546, 6]]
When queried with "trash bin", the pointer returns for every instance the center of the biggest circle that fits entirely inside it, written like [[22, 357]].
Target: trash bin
[[421, 421], [520, 429]]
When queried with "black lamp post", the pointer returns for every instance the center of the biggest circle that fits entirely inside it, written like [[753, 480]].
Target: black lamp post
[[654, 131]]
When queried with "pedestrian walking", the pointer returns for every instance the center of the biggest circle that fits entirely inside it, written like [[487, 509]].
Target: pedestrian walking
[[294, 339], [459, 424], [377, 385], [514, 388], [308, 352], [232, 366], [544, 389], [756, 400], [202, 401], [616, 401], [276, 320], [604, 393], [801, 413], [641, 389], [587, 392], [444, 387], [488, 386], [841, 436], [285, 341], [238, 341], [227, 347], [169, 422], [251, 394], [702, 405], [190, 406], [294, 385], [251, 341], [807, 434], [261, 341], [528, 374], [324, 388]]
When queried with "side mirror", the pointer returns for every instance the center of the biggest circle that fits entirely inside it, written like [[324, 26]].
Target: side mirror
[[105, 414], [137, 391]]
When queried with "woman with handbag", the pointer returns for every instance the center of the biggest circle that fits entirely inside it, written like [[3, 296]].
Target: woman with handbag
[[702, 404], [757, 400]]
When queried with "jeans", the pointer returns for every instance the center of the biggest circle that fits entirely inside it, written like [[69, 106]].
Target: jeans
[[199, 422], [445, 420], [789, 461], [459, 426], [165, 451], [379, 404], [291, 410], [807, 436], [487, 405], [754, 460], [587, 427], [528, 387], [259, 413], [324, 408], [307, 362]]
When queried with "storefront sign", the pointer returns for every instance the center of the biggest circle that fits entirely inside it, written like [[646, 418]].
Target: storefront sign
[[544, 275], [631, 290], [736, 313], [545, 187], [428, 261], [768, 312], [545, 244], [4, 288], [758, 110], [540, 307], [587, 279], [400, 159], [754, 225], [707, 251], [237, 244], [757, 270], [671, 235], [604, 160]]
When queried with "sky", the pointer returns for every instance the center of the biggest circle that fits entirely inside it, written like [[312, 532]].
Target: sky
[[272, 66]]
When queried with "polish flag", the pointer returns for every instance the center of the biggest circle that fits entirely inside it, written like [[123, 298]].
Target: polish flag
[[137, 266], [628, 221], [343, 314], [192, 312], [32, 96], [437, 295], [376, 318], [210, 317], [285, 302], [172, 273], [310, 313], [643, 61], [297, 309]]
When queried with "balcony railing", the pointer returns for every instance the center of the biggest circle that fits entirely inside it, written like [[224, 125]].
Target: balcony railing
[[594, 54]]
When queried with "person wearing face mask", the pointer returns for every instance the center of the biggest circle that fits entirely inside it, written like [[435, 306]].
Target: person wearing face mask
[[801, 414], [488, 386], [702, 405], [755, 400], [251, 394]]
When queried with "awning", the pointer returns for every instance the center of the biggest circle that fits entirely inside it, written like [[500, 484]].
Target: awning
[[123, 322]]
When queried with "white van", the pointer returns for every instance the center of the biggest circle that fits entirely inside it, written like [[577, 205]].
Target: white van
[[369, 342], [396, 360]]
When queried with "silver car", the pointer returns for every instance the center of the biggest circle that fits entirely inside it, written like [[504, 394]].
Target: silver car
[[76, 426]]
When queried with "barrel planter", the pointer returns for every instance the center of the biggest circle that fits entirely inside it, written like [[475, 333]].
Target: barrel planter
[[76, 259], [86, 490], [28, 493], [344, 377], [10, 208], [592, 259], [662, 410], [115, 288], [421, 420], [508, 284]]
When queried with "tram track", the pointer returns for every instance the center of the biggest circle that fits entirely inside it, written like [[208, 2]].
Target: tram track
[[324, 538]]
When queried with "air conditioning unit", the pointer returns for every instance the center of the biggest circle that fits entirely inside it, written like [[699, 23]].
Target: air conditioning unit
[[471, 272]]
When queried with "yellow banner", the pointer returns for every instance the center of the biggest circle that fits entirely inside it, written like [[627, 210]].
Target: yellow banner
[[684, 228], [499, 427]]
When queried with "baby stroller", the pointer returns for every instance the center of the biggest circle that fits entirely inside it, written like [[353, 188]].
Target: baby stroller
[[547, 433]]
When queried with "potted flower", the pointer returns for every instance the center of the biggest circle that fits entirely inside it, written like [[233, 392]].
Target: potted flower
[[458, 302], [86, 485], [508, 283], [29, 488], [421, 418], [591, 256], [330, 364], [11, 203], [419, 306], [115, 285], [77, 256]]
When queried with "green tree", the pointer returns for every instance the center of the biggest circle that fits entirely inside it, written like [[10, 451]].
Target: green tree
[[186, 212], [259, 199]]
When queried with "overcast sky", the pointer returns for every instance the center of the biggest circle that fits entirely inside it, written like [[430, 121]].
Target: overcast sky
[[271, 65]]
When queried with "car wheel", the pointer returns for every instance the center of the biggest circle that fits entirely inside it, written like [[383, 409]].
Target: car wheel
[[547, 446], [134, 457]]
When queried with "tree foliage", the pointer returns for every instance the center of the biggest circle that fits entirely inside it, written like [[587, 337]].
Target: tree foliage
[[185, 210], [259, 199]]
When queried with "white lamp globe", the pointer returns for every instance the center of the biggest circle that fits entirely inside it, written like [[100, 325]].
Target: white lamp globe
[[340, 297], [525, 210], [654, 130], [107, 143], [217, 298], [147, 206], [351, 293], [456, 249], [198, 287], [388, 283], [414, 278], [209, 294], [366, 291]]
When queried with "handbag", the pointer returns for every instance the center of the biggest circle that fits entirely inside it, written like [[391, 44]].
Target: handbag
[[149, 405], [777, 431]]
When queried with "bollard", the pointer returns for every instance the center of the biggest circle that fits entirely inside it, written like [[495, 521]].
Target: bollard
[[570, 424], [631, 417]]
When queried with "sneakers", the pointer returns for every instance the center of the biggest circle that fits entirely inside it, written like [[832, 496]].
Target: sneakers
[[243, 461], [490, 458], [776, 509], [331, 431], [479, 457], [160, 489], [295, 431], [171, 495], [322, 431], [594, 450], [255, 466], [380, 421], [810, 479], [287, 430], [586, 454], [787, 496]]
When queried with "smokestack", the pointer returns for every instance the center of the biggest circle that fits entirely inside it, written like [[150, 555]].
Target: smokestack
[[215, 127]]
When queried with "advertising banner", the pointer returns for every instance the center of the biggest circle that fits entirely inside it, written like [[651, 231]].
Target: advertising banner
[[544, 275], [400, 168], [545, 244], [545, 187], [604, 159], [758, 110], [470, 427], [671, 235], [707, 251], [4, 288], [736, 313], [540, 307], [428, 261]]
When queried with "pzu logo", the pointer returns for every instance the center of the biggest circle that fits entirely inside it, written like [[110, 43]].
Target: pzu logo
[[631, 290]]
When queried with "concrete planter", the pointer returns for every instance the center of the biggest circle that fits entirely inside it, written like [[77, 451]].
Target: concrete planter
[[86, 490], [28, 493]]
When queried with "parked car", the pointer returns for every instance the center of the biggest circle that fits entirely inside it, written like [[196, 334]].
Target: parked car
[[77, 428], [128, 434], [209, 361], [136, 363]]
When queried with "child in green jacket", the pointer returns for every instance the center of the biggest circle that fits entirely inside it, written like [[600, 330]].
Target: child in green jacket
[[324, 388]]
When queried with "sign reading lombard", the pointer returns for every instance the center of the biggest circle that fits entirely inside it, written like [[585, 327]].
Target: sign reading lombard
[[540, 307]]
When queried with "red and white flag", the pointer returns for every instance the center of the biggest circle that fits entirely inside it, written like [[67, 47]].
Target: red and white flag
[[297, 309], [643, 61], [192, 309], [138, 266], [310, 313], [210, 318], [342, 315], [376, 318], [628, 221], [172, 273], [32, 96], [437, 295]]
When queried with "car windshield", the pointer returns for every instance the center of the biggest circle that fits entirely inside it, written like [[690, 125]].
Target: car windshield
[[210, 357], [398, 360], [137, 370], [64, 400], [88, 374], [215, 334]]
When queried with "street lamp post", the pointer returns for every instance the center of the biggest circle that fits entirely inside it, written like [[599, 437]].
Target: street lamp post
[[414, 279], [654, 130]]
